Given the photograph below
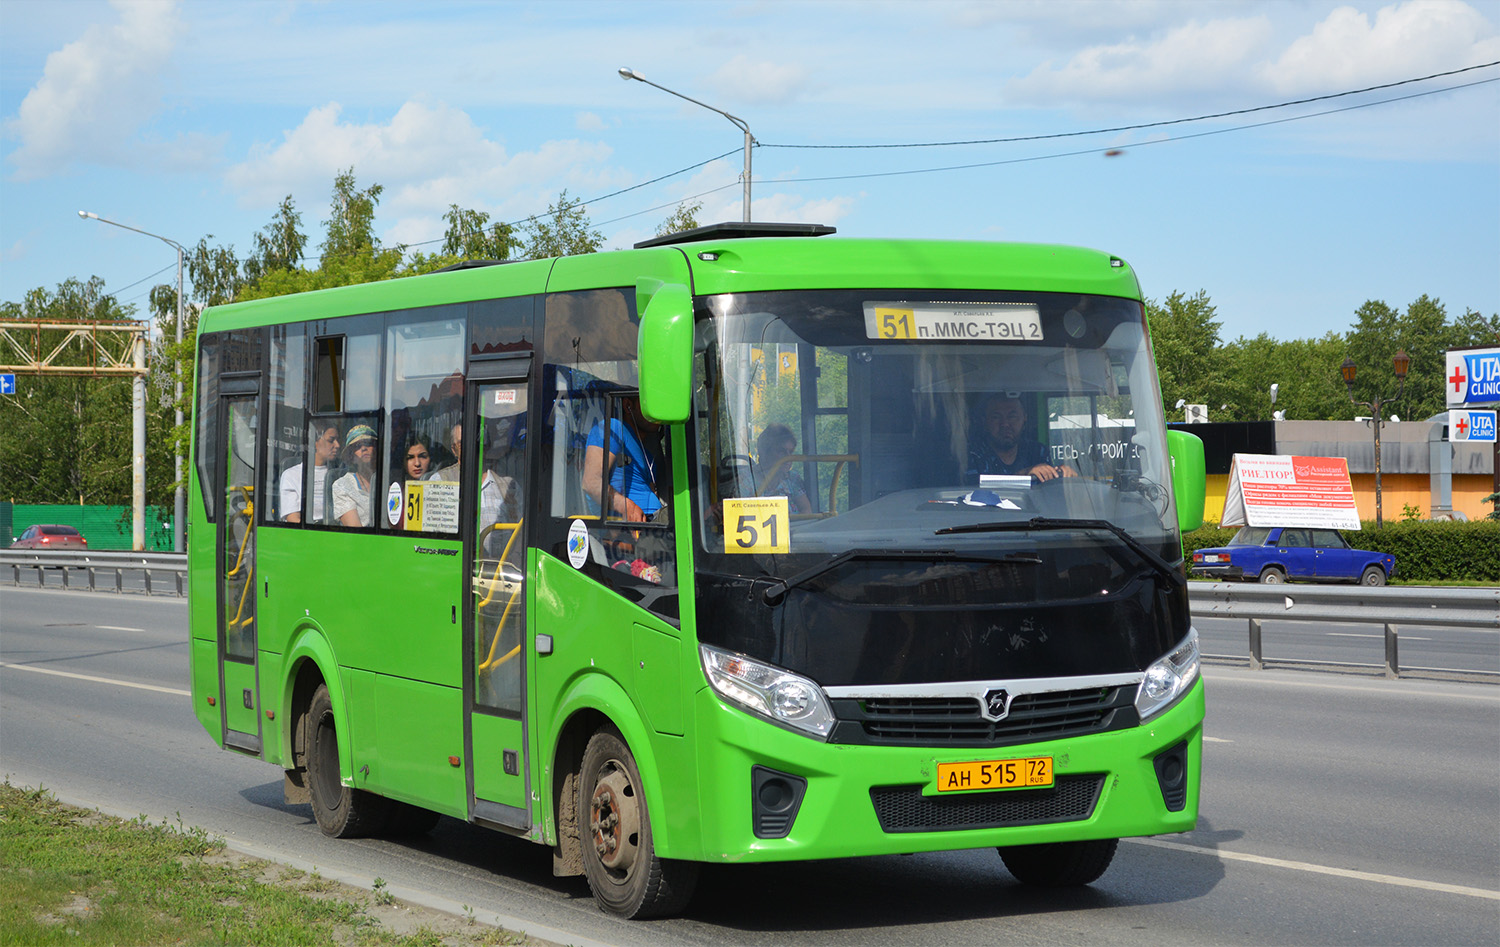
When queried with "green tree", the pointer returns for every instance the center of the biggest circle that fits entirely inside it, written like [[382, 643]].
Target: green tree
[[563, 231], [685, 217], [351, 228], [279, 244], [1422, 331], [1184, 337], [470, 236]]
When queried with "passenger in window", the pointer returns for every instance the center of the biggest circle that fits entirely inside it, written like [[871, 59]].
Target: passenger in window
[[633, 459], [776, 443], [456, 444], [352, 492], [1000, 447], [417, 457], [325, 449]]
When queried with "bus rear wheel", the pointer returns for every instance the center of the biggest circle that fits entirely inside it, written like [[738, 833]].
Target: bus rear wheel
[[1060, 864], [624, 873], [341, 811]]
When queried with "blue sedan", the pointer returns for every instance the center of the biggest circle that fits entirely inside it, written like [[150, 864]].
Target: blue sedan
[[1280, 554]]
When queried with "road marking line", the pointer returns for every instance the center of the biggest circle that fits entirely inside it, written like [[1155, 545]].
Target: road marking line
[[97, 680], [1355, 634], [1216, 740], [1324, 869], [118, 628]]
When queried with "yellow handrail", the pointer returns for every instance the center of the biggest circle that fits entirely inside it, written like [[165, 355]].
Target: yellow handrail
[[494, 580], [839, 460]]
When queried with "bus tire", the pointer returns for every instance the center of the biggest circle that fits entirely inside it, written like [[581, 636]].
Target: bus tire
[[1373, 575], [1060, 864], [624, 873], [341, 811], [1272, 575]]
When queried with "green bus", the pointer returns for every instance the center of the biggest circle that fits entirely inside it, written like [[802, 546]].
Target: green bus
[[748, 544]]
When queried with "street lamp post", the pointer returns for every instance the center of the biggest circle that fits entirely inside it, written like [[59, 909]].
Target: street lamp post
[[1401, 362], [179, 496], [628, 73]]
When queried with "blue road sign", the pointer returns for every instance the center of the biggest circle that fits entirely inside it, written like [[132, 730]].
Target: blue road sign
[[7, 384]]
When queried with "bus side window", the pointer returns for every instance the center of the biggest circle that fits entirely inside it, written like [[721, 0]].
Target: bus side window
[[287, 367], [590, 345], [423, 439]]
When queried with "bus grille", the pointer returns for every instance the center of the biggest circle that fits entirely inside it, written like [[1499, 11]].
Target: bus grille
[[936, 721], [905, 809]]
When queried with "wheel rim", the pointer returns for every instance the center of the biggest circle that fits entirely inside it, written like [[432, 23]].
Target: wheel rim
[[1272, 578], [615, 820], [325, 759]]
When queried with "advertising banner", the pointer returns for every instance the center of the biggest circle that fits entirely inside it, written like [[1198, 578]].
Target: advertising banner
[[1468, 425], [1282, 490], [1473, 377]]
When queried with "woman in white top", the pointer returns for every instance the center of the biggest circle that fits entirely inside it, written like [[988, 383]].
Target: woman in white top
[[351, 492]]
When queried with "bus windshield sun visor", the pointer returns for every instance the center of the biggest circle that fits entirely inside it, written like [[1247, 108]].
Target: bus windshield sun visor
[[1173, 576], [773, 595]]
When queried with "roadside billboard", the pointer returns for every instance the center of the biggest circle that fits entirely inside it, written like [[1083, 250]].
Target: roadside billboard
[[1473, 377], [1284, 490]]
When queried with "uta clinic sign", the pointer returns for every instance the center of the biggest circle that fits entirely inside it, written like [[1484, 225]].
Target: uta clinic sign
[[1472, 377]]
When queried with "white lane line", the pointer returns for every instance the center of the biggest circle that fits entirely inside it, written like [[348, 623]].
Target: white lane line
[[1324, 869], [118, 628], [1216, 740], [1355, 634], [97, 680]]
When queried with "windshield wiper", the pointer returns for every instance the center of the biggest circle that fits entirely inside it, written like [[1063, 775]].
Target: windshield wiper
[[777, 591], [1152, 557]]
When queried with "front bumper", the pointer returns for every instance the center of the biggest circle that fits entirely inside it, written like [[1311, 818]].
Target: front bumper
[[875, 800]]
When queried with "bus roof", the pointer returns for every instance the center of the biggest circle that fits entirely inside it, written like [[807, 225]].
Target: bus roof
[[726, 265]]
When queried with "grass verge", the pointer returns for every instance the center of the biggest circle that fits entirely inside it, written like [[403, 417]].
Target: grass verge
[[74, 876]]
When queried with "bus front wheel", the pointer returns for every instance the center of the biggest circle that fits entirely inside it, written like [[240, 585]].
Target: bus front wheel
[[1060, 864], [341, 811], [619, 859]]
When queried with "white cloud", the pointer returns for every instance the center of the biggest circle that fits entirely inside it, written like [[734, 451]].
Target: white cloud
[[590, 122], [1410, 39], [1254, 55], [96, 92], [1194, 56], [759, 83], [426, 157]]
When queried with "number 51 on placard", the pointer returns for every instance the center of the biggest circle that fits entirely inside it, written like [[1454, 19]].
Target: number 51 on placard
[[757, 524]]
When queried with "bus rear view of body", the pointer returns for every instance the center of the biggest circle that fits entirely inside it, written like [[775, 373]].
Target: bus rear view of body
[[751, 548]]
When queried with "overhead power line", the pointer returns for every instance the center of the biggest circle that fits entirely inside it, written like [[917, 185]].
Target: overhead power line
[[1126, 128]]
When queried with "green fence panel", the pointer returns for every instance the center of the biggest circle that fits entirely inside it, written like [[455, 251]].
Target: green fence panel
[[105, 527]]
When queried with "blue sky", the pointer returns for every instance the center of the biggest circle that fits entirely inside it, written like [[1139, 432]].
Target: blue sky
[[195, 118]]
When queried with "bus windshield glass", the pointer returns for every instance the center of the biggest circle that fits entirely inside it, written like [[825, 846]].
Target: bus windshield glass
[[835, 421]]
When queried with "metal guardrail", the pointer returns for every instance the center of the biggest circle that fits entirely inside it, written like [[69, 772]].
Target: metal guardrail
[[1389, 606], [64, 565]]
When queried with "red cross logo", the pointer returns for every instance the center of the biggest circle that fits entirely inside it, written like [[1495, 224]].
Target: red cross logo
[[1463, 428], [1457, 379]]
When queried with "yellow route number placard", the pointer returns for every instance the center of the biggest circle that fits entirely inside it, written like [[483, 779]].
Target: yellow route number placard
[[757, 524], [895, 323]]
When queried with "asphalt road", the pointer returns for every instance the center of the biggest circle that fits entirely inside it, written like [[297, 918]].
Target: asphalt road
[[1338, 809]]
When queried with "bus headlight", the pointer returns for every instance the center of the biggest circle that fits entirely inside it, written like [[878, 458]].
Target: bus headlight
[[768, 691], [1169, 678]]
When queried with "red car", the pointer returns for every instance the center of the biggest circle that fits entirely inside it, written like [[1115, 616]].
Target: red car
[[50, 537]]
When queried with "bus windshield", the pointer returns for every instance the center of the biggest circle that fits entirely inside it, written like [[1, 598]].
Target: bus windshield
[[877, 420]]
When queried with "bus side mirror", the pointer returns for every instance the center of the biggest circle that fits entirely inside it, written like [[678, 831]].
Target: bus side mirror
[[665, 350], [1189, 478]]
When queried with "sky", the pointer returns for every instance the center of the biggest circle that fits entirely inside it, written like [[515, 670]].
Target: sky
[[194, 120]]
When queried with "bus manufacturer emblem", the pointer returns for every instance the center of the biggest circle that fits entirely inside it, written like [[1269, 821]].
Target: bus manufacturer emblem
[[996, 705]]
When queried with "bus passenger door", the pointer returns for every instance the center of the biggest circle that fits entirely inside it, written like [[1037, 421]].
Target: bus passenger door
[[495, 477], [239, 695]]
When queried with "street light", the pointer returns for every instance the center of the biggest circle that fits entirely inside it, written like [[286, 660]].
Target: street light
[[179, 497], [1401, 362], [627, 73]]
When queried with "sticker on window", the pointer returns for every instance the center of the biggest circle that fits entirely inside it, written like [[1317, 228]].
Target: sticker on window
[[937, 322], [578, 544], [757, 524]]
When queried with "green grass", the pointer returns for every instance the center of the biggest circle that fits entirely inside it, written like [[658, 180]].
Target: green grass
[[71, 876]]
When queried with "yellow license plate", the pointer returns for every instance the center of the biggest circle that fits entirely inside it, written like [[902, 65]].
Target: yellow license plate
[[1029, 773]]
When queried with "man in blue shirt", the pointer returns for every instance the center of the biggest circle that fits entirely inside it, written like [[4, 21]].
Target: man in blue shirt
[[1001, 448], [633, 459]]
